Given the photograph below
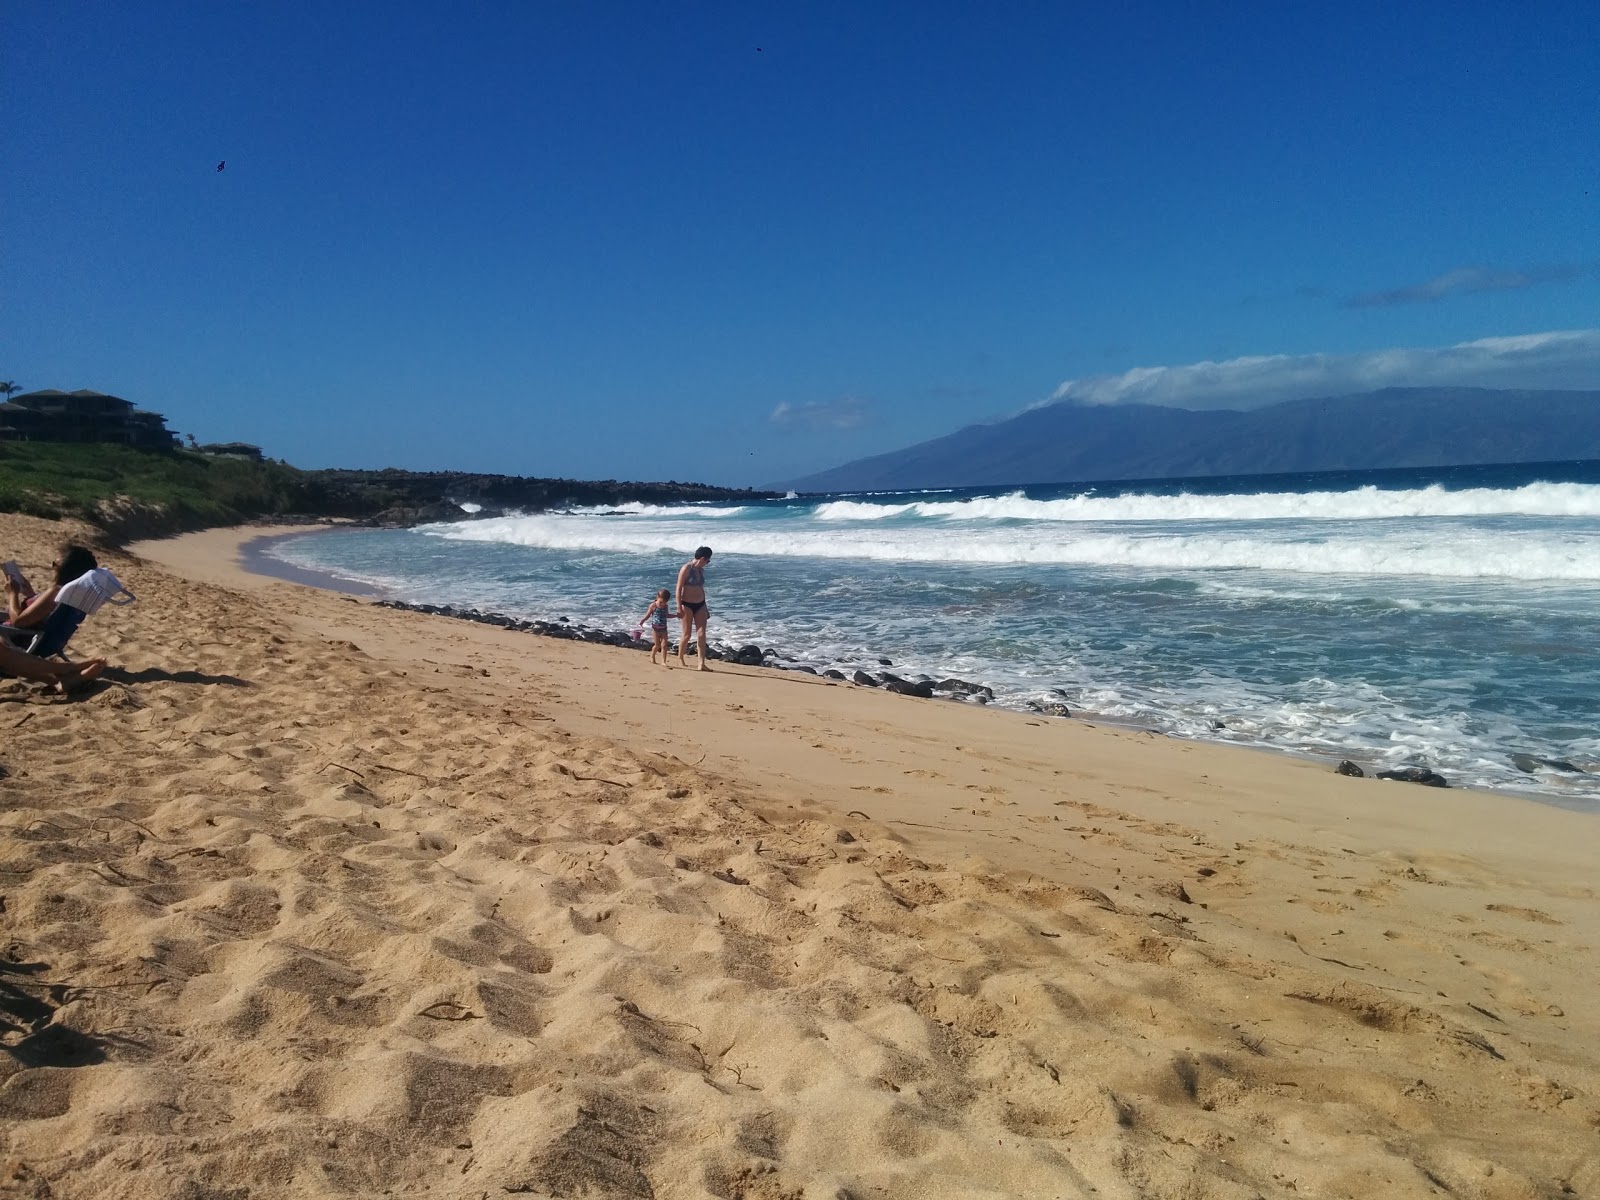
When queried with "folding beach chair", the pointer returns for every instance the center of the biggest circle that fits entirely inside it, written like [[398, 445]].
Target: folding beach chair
[[75, 601]]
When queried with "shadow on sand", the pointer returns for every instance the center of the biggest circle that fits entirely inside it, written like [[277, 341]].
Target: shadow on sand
[[27, 1004], [158, 675]]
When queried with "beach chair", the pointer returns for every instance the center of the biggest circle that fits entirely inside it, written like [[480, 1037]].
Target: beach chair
[[76, 601]]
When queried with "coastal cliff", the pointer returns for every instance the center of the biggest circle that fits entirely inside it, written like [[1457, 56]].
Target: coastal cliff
[[128, 493]]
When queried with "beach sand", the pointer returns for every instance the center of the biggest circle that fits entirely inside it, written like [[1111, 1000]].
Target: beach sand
[[313, 898]]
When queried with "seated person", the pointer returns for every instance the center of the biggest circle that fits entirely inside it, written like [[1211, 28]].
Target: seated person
[[66, 677], [28, 609]]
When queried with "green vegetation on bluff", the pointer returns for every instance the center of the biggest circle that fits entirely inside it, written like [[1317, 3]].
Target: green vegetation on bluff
[[56, 479], [131, 492]]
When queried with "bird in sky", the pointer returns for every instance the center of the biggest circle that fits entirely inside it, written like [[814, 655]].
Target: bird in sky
[[222, 164]]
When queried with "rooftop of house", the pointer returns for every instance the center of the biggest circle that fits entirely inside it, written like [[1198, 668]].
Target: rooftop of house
[[83, 398]]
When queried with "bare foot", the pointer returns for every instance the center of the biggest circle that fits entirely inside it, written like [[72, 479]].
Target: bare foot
[[706, 669], [82, 675]]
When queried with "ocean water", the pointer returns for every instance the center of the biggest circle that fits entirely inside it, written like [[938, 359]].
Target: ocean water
[[1447, 618]]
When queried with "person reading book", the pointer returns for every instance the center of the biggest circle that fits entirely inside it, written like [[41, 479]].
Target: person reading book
[[29, 609]]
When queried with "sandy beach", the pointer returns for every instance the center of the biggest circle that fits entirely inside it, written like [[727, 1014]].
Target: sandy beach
[[315, 898]]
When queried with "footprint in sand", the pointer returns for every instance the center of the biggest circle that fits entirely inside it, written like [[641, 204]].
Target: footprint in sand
[[1527, 914]]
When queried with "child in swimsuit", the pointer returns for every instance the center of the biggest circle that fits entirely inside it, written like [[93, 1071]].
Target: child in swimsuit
[[657, 615]]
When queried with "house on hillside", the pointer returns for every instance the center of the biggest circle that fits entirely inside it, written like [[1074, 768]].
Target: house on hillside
[[82, 416], [234, 450]]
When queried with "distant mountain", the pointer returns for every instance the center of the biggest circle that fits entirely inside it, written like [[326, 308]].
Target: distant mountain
[[1395, 427]]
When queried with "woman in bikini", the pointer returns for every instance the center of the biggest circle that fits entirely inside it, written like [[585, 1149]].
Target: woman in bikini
[[692, 606]]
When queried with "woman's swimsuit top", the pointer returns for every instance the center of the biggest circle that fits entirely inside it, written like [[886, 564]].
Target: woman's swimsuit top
[[695, 576]]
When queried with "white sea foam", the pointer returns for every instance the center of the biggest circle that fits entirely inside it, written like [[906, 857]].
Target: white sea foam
[[1359, 504], [634, 508], [1449, 552]]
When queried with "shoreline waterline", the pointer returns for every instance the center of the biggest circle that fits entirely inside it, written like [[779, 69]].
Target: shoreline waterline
[[255, 557]]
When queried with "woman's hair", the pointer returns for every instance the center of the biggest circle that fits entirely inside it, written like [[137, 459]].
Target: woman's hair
[[703, 552], [74, 561]]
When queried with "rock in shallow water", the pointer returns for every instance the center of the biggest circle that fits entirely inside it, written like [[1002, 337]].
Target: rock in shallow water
[[1530, 764], [1049, 710], [1349, 768], [962, 688]]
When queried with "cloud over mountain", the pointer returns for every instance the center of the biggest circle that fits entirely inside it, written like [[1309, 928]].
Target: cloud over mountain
[[1560, 359]]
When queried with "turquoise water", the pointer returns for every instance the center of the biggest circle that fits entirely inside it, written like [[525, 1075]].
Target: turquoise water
[[1437, 618]]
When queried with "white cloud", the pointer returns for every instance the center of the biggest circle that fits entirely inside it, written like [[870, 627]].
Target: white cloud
[[1563, 359], [847, 412]]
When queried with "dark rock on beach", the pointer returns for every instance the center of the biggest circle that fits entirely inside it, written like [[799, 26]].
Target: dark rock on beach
[[1051, 709], [1416, 775], [1346, 767], [905, 687], [863, 679], [830, 673]]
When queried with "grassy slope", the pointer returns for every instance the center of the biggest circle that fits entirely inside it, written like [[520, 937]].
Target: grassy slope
[[49, 479]]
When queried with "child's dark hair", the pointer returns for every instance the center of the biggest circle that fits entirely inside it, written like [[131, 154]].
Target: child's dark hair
[[664, 593], [74, 561]]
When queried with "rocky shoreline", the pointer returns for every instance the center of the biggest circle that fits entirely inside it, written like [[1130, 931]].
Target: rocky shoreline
[[924, 686], [749, 655]]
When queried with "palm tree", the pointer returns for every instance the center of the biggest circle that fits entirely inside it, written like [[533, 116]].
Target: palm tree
[[7, 387]]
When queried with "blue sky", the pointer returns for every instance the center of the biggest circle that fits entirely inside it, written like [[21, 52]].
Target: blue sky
[[742, 242]]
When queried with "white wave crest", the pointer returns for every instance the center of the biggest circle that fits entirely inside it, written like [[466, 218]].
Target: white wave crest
[[1359, 504], [1451, 553], [635, 508]]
